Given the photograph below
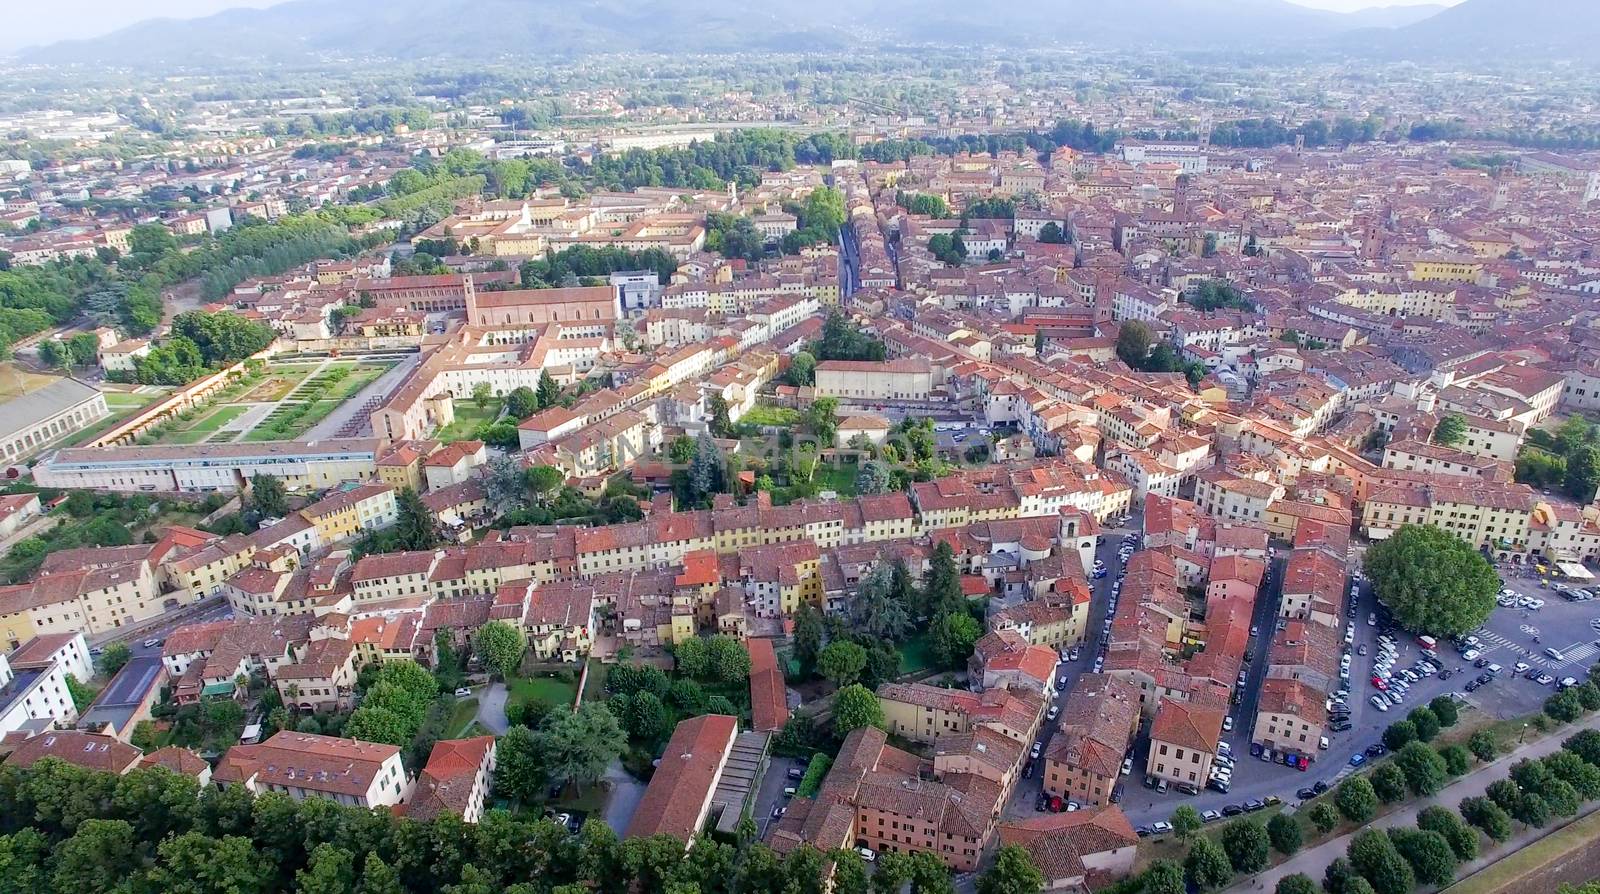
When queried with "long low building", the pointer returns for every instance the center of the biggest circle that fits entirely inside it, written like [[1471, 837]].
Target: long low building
[[46, 415], [210, 467]]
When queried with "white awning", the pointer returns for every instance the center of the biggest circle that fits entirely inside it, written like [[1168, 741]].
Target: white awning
[[1575, 571]]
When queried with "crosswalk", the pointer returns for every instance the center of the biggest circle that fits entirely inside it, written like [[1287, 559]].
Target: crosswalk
[[1576, 653]]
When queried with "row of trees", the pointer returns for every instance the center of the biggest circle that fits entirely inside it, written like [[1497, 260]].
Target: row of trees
[[1138, 348], [1569, 459]]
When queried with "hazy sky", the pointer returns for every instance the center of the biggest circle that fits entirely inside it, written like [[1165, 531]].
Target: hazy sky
[[35, 22], [32, 22], [1352, 5]]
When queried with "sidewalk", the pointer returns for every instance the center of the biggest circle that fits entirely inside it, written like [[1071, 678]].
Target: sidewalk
[[1313, 861]]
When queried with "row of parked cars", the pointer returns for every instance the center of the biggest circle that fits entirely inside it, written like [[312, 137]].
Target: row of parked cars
[[1211, 816]]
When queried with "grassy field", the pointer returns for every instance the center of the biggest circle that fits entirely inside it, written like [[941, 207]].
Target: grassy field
[[1539, 865], [283, 380], [203, 427], [549, 690], [462, 715], [840, 479], [128, 400], [766, 414], [359, 378], [468, 418], [291, 420]]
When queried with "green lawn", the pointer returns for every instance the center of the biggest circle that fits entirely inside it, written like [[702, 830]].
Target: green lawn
[[766, 414], [127, 400], [207, 425], [462, 715], [1514, 872], [840, 479], [291, 420], [468, 418], [551, 691]]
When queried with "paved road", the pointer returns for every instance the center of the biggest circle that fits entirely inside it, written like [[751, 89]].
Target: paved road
[[492, 708], [1314, 860], [624, 795], [379, 387]]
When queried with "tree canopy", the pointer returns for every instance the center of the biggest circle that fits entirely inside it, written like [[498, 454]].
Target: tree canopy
[[1432, 581]]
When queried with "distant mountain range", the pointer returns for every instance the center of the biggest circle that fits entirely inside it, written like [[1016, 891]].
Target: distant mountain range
[[466, 29]]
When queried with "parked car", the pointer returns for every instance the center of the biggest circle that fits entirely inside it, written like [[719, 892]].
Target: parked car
[[796, 773], [1210, 816], [1232, 810], [1357, 760]]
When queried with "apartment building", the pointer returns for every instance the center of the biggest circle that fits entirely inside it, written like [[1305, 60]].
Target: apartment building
[[1097, 725], [456, 780], [1183, 740], [305, 765]]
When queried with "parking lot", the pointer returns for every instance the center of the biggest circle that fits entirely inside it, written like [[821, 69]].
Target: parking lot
[[1572, 628]]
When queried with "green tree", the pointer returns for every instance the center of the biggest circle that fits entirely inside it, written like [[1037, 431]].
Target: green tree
[[729, 660], [1425, 722], [822, 417], [855, 706], [1373, 855], [1573, 770], [267, 496], [1134, 341], [373, 724], [1324, 816], [644, 715], [872, 477], [1462, 838], [96, 858], [1424, 769], [1457, 760], [1051, 234], [1444, 709], [802, 369], [549, 392], [580, 745], [1185, 821], [196, 863], [378, 877], [1246, 844], [482, 393], [1284, 833], [1451, 430], [330, 871], [842, 662], [1398, 734], [1013, 872], [1389, 782], [692, 657], [499, 646], [807, 637], [1482, 745], [1432, 581], [1564, 706], [1585, 744], [414, 527], [522, 402], [1163, 877], [113, 658], [1296, 883], [1356, 800], [1432, 861], [1207, 866], [952, 637], [520, 771], [1487, 816], [1583, 473]]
